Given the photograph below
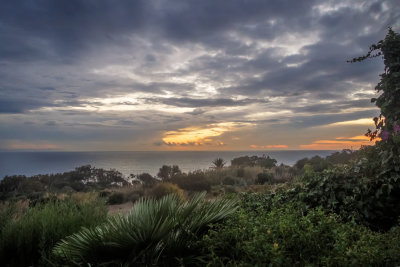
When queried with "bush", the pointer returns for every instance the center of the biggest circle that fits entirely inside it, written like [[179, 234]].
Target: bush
[[228, 181], [116, 198], [163, 189], [147, 180], [284, 236], [67, 189], [365, 191], [230, 189], [283, 173], [7, 212], [240, 172], [316, 163], [193, 181], [246, 161], [166, 172], [134, 195], [155, 232], [104, 194], [263, 178], [29, 239]]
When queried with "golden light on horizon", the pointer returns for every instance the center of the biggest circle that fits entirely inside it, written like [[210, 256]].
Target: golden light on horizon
[[269, 146], [339, 143], [21, 145], [200, 135], [364, 121]]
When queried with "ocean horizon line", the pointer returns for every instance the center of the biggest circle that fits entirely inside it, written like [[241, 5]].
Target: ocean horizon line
[[119, 151]]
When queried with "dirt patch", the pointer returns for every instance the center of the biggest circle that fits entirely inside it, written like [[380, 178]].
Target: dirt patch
[[122, 209]]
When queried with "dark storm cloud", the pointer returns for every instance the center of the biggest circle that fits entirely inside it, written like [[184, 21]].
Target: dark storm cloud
[[18, 105], [199, 20], [335, 107], [65, 29], [322, 68], [197, 103], [210, 54]]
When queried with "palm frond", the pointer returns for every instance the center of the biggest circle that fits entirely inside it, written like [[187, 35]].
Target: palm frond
[[149, 230]]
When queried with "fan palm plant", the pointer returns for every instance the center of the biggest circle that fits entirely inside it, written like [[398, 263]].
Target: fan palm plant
[[154, 229], [219, 163]]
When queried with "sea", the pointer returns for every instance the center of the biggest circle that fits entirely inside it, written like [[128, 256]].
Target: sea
[[134, 162]]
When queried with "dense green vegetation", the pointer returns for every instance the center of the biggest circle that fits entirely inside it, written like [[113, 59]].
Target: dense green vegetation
[[342, 210], [155, 231], [28, 234], [265, 232]]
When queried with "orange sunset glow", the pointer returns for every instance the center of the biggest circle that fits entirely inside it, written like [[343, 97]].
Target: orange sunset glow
[[339, 143], [199, 136]]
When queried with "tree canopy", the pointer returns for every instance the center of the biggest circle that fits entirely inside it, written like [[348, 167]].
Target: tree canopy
[[388, 122]]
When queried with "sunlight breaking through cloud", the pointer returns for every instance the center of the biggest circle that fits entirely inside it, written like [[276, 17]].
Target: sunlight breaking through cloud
[[365, 121], [201, 135]]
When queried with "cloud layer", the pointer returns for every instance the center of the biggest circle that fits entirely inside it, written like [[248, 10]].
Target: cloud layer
[[101, 75]]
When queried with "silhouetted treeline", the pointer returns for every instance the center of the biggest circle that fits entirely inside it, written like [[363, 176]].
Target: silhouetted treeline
[[319, 164], [84, 178]]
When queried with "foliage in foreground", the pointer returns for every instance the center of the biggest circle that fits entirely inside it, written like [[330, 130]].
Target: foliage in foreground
[[365, 191], [156, 231], [29, 239], [285, 235], [368, 191]]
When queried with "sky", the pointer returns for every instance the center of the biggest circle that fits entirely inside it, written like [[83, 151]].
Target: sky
[[189, 74]]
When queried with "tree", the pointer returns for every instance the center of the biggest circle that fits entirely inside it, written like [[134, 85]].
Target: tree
[[388, 122], [147, 179], [219, 163], [266, 162], [246, 161], [167, 172]]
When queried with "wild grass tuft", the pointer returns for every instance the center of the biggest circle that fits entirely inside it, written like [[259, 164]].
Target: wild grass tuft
[[29, 239]]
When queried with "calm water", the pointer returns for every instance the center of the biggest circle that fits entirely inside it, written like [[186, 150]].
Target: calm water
[[31, 163]]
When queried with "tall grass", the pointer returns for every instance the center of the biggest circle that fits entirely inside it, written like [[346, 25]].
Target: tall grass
[[28, 239], [155, 230]]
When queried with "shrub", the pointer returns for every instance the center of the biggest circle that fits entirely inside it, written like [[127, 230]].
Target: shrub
[[156, 231], [67, 189], [230, 189], [147, 180], [167, 172], [84, 197], [240, 172], [7, 212], [104, 194], [28, 240], [193, 181], [163, 189], [134, 195], [364, 191], [116, 198], [218, 163], [246, 161], [263, 178], [284, 236], [228, 181], [316, 163], [283, 173]]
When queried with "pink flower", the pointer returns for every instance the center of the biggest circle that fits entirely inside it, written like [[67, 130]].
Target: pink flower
[[385, 135], [396, 128]]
